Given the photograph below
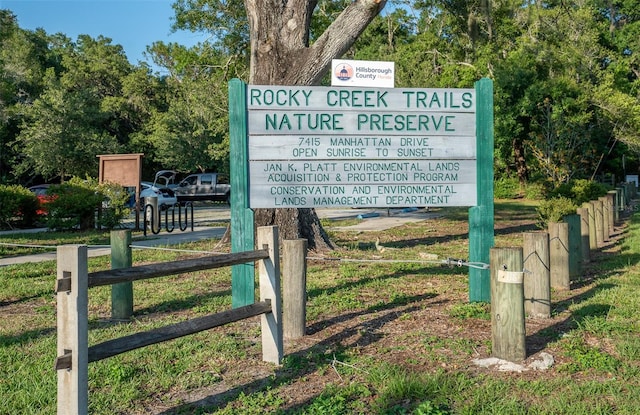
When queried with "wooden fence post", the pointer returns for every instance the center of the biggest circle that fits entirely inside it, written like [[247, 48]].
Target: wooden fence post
[[597, 209], [559, 255], [611, 202], [269, 276], [507, 304], [605, 218], [575, 245], [585, 234], [537, 287], [619, 208], [294, 276], [121, 293], [72, 299], [593, 243]]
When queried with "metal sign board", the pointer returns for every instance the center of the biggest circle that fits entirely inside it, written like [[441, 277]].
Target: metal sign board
[[360, 147]]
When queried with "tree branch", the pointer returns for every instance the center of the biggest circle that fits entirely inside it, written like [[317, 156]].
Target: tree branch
[[336, 40]]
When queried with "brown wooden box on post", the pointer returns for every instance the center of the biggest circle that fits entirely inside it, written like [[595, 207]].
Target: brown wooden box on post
[[125, 170]]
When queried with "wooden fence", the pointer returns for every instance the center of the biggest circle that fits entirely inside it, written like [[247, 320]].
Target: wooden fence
[[74, 280], [522, 277]]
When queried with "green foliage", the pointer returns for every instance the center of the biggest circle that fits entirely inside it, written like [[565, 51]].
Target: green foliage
[[471, 310], [580, 190], [76, 106], [114, 206], [534, 191], [506, 188], [337, 400], [584, 357], [554, 209], [428, 408], [75, 205], [18, 206]]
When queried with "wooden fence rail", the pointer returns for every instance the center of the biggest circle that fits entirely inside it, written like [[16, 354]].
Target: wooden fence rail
[[74, 280], [142, 272]]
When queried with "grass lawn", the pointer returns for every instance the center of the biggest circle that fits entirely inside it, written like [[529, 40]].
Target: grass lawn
[[390, 330]]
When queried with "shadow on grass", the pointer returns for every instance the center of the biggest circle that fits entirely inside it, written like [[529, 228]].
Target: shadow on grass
[[434, 240], [182, 303], [166, 307], [538, 341], [26, 337], [307, 361], [603, 265]]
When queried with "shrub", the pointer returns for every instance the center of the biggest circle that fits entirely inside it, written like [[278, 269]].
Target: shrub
[[18, 206], [506, 188], [114, 205], [586, 190], [580, 190], [554, 209], [77, 202], [73, 207], [535, 191]]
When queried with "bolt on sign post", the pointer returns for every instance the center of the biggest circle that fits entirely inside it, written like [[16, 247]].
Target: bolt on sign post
[[310, 146]]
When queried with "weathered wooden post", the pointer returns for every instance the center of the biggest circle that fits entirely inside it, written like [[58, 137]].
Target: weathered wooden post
[[507, 304], [537, 287], [605, 218], [619, 204], [269, 277], [121, 293], [294, 281], [611, 203], [597, 209], [575, 242], [559, 255], [593, 243], [585, 234], [72, 299]]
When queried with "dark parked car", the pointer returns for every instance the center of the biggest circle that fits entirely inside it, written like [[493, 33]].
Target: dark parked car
[[203, 186]]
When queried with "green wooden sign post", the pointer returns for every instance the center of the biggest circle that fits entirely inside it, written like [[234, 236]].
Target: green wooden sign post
[[121, 293], [481, 236], [242, 221]]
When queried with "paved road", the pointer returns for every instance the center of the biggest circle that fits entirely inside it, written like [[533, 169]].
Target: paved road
[[210, 223], [162, 239]]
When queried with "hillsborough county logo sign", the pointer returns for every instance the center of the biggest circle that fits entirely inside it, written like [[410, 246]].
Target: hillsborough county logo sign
[[362, 73], [343, 72]]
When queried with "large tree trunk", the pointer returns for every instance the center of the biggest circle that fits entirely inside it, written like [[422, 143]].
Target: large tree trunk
[[281, 55]]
